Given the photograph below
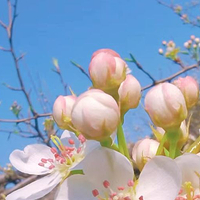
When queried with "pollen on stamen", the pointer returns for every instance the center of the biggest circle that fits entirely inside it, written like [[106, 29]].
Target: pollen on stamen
[[130, 183], [43, 160], [41, 164], [106, 184], [120, 188], [79, 150], [95, 192], [180, 192], [141, 198], [81, 138], [51, 166], [127, 198], [71, 141], [53, 150], [50, 160]]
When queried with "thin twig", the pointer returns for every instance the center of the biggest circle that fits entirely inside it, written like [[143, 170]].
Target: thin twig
[[139, 66], [172, 76], [25, 119], [81, 68], [16, 60]]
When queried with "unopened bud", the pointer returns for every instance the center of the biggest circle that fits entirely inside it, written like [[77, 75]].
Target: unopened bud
[[107, 71], [96, 115], [190, 89], [160, 51], [129, 93], [143, 151], [62, 111], [166, 106]]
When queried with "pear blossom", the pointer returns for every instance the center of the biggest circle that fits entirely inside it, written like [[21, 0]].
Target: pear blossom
[[95, 114], [54, 165], [110, 175], [107, 70], [166, 106], [189, 165], [129, 93], [62, 111], [143, 151]]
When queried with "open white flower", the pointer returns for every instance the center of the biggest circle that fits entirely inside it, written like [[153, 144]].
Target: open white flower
[[189, 165], [109, 175], [56, 164]]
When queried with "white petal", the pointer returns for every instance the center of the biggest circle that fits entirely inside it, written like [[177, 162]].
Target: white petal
[[106, 164], [76, 187], [37, 189], [90, 146], [27, 161], [189, 164], [159, 179], [66, 135]]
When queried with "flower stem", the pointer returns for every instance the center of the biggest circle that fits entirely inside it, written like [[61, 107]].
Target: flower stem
[[122, 142], [173, 137], [160, 148], [109, 144]]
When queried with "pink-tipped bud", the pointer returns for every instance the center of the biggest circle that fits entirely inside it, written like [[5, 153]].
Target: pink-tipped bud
[[129, 93], [143, 151], [192, 37], [190, 89], [95, 114], [62, 111], [166, 106], [160, 51], [107, 70], [109, 51]]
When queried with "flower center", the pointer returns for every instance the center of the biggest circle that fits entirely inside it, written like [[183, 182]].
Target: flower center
[[64, 157], [122, 193]]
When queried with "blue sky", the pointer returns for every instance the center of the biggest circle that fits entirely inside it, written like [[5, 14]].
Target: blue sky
[[73, 30]]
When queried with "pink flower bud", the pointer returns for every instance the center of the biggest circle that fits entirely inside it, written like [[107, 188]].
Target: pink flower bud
[[95, 114], [166, 106], [109, 51], [192, 37], [160, 51], [62, 111], [143, 151], [190, 89], [129, 93], [107, 70]]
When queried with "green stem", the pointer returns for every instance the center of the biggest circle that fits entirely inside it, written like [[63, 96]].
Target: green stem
[[109, 144], [195, 147], [173, 137], [160, 148], [122, 142]]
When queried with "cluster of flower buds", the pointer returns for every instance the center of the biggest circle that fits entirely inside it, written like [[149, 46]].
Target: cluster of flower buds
[[194, 42], [97, 112], [170, 50]]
